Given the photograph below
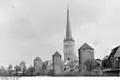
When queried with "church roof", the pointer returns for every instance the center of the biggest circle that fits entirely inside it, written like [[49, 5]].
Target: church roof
[[86, 46], [114, 50], [37, 59], [68, 28], [57, 54]]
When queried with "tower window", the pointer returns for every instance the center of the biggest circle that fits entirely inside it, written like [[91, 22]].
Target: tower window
[[66, 46], [66, 54], [68, 58]]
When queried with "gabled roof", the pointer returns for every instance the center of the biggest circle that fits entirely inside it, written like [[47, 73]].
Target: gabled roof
[[114, 50], [85, 46], [57, 54], [37, 59]]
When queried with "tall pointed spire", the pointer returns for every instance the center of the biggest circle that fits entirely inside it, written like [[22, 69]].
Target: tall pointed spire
[[69, 43], [68, 29]]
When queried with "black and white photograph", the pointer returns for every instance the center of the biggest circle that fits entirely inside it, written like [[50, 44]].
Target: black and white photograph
[[59, 38]]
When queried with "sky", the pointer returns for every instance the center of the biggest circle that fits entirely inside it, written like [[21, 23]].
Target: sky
[[31, 28]]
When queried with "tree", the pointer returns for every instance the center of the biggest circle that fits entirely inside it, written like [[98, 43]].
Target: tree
[[30, 71], [17, 68], [3, 72], [106, 57], [9, 69], [44, 67], [24, 70], [22, 63], [95, 65], [45, 64], [98, 63], [71, 65], [51, 72], [23, 67], [106, 63]]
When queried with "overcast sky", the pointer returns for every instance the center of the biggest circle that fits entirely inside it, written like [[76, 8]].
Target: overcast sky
[[31, 28]]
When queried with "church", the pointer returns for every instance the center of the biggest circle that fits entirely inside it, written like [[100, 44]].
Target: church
[[69, 45], [68, 42], [85, 53]]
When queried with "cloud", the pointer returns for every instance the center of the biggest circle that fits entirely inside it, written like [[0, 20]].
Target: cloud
[[38, 27]]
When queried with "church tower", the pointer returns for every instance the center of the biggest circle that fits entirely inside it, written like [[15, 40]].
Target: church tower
[[69, 43]]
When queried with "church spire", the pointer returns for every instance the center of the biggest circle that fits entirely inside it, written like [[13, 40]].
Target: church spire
[[68, 29]]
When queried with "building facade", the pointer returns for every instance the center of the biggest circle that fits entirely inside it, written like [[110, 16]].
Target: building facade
[[86, 54]]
